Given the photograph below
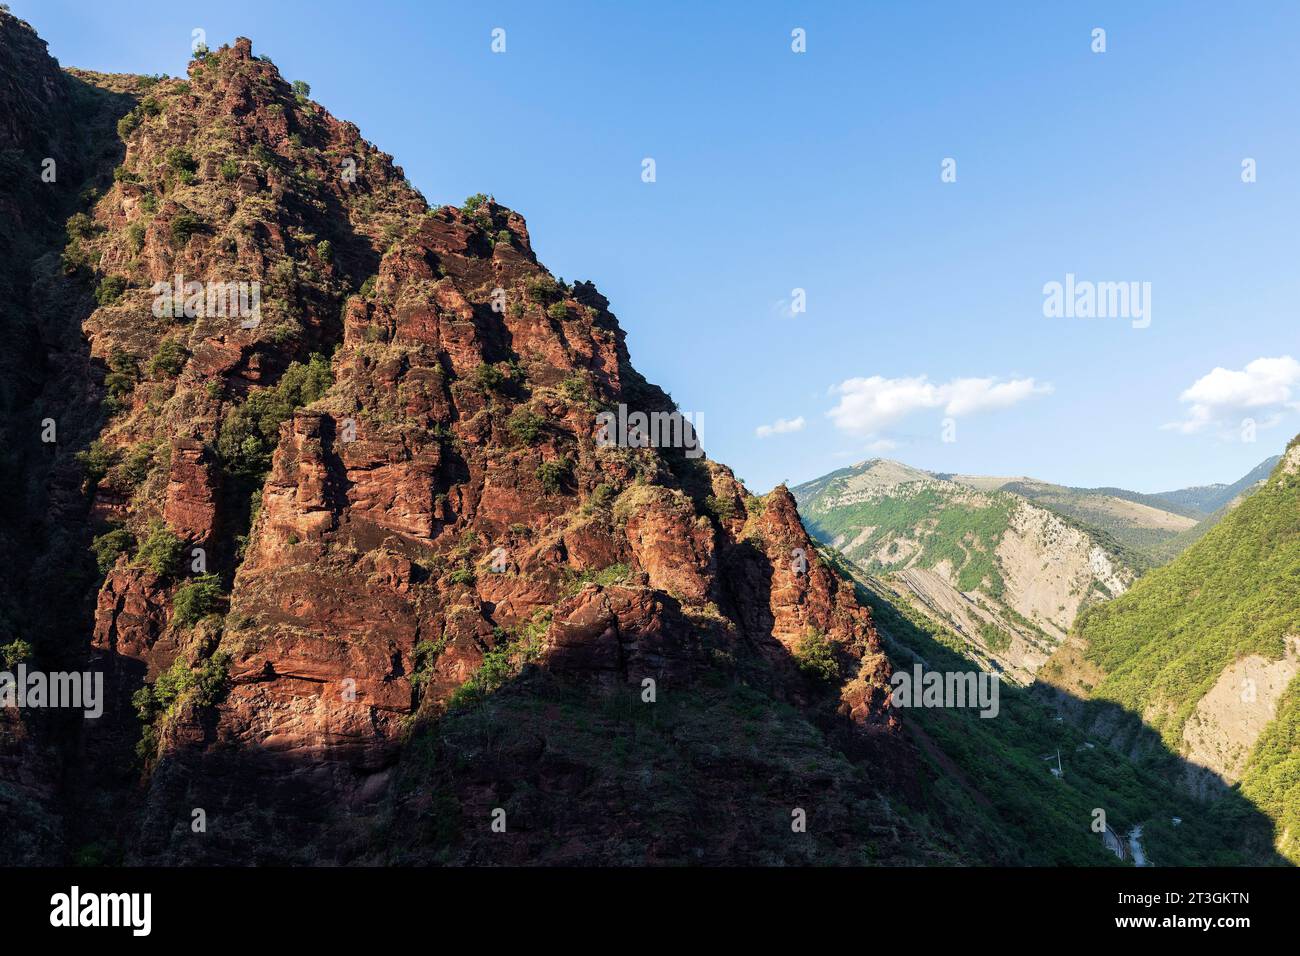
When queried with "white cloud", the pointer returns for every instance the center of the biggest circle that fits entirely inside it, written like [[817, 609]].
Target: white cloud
[[867, 405], [780, 427], [1222, 398]]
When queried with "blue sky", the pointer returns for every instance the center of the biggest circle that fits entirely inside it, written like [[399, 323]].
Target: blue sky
[[821, 171]]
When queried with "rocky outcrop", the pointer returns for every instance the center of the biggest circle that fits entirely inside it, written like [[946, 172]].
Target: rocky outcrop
[[353, 508]]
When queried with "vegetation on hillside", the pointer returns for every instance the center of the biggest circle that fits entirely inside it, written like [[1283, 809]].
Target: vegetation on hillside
[[1272, 775], [966, 535], [1004, 798], [1235, 592]]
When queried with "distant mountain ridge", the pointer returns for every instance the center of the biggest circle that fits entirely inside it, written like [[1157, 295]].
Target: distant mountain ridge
[[1007, 562], [1136, 525], [1151, 528], [1203, 500], [1006, 574]]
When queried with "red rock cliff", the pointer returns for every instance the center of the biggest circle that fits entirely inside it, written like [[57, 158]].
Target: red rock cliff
[[373, 565]]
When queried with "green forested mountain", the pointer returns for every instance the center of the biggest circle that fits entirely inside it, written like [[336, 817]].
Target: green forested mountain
[[1006, 575], [991, 781], [1206, 649]]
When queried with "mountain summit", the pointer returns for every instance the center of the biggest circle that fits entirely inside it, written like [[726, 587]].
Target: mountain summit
[[364, 574], [1002, 572]]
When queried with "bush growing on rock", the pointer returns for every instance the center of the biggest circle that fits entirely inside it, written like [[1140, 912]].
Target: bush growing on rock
[[724, 509], [816, 657], [525, 426], [128, 123], [181, 160], [80, 226], [162, 550], [251, 431], [463, 575], [184, 225], [601, 496], [110, 289], [196, 600], [542, 289], [488, 377], [169, 359], [553, 474], [95, 460], [135, 237], [15, 652], [109, 545], [135, 468], [202, 684], [123, 373]]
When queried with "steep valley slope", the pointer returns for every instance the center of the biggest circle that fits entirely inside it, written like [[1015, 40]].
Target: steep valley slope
[[1199, 660], [1034, 788]]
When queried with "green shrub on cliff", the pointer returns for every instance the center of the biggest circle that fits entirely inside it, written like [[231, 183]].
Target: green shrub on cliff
[[95, 460], [525, 426], [250, 432], [110, 289], [816, 656], [169, 359], [196, 600], [183, 226], [553, 474], [109, 545], [162, 551], [202, 684]]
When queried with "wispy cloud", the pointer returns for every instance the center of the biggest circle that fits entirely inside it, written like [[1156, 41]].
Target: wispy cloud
[[866, 405], [780, 427], [1222, 398]]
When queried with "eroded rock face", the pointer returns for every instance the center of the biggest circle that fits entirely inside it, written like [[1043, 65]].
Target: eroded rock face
[[1221, 732], [394, 482]]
